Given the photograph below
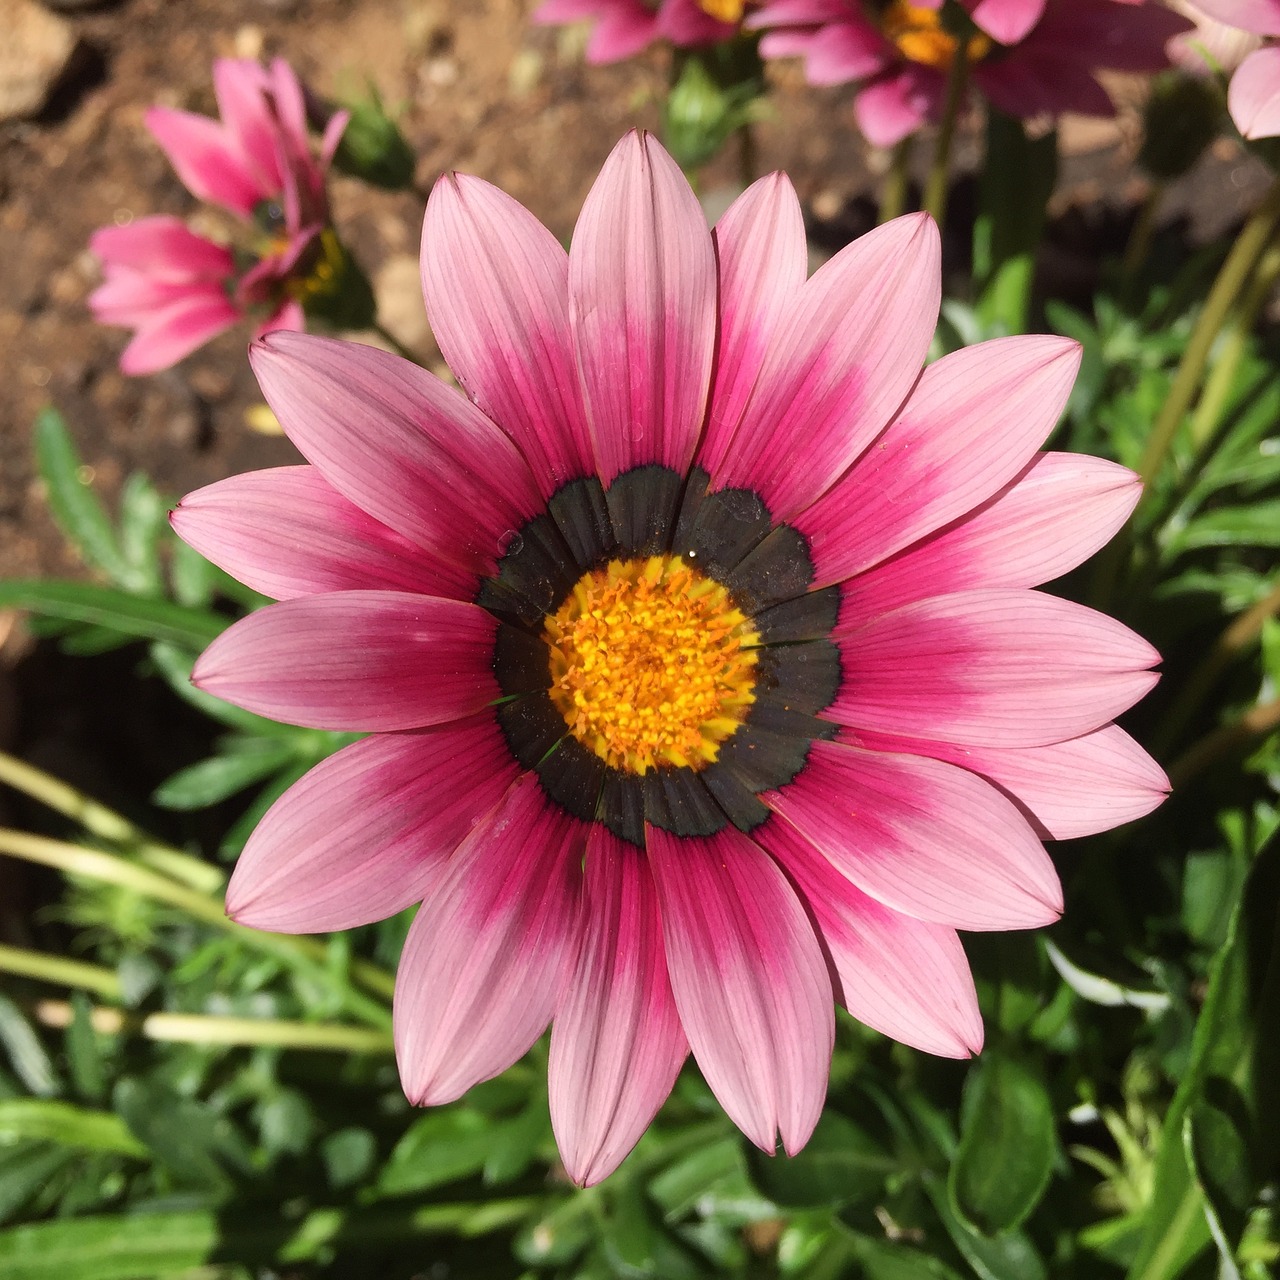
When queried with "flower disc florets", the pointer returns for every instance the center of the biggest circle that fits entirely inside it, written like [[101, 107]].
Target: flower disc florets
[[651, 663]]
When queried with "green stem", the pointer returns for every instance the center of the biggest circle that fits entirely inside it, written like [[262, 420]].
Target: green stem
[[1246, 251], [935, 191], [107, 868], [893, 195], [203, 1028], [1139, 246], [1231, 739], [394, 343], [59, 970], [106, 824]]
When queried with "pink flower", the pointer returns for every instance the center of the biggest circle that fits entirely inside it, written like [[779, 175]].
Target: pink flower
[[624, 27], [697, 646], [1254, 95], [1026, 58], [179, 289]]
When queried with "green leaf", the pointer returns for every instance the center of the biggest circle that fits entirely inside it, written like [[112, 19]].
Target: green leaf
[[183, 1135], [440, 1147], [840, 1163], [1010, 1256], [63, 1123], [26, 1053], [143, 522], [348, 1156], [1230, 1090], [885, 1261], [1252, 526], [107, 607], [84, 1051], [1008, 1143], [76, 508], [212, 780], [25, 1170]]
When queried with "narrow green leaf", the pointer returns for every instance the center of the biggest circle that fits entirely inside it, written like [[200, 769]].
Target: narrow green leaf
[[142, 524], [25, 1170], [63, 1123], [107, 607], [1010, 1256], [441, 1147], [84, 1051], [76, 508], [182, 1134], [212, 780], [26, 1053]]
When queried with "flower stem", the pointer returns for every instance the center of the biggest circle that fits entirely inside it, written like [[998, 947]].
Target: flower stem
[[106, 824], [1231, 739], [1234, 641], [203, 1028], [394, 343], [748, 154], [893, 195], [107, 868], [935, 191], [59, 970], [1139, 246], [1244, 254]]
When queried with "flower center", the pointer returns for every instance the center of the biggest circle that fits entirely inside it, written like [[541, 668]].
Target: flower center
[[919, 34], [723, 10], [651, 663]]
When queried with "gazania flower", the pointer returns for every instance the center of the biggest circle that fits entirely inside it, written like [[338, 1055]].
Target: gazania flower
[[1026, 58], [179, 289], [696, 643], [1254, 95], [624, 27]]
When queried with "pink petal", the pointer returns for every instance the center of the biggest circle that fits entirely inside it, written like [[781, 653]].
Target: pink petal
[[1262, 17], [367, 832], [286, 532], [749, 980], [487, 957], [895, 105], [177, 330], [1061, 509], [359, 660], [798, 13], [400, 444], [686, 23], [848, 50], [1102, 34], [497, 288], [906, 978], [623, 27], [849, 348], [131, 298], [161, 246], [922, 837], [967, 429], [1029, 84], [204, 157], [1007, 21], [241, 87], [1073, 788], [1254, 96], [1000, 668], [642, 290], [616, 1043], [763, 262]]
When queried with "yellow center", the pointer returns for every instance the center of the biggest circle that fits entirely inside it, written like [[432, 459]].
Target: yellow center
[[723, 10], [919, 34], [651, 663]]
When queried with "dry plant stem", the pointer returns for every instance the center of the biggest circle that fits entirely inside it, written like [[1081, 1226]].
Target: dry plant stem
[[893, 195], [1245, 253], [200, 1028], [60, 971], [394, 343], [1239, 637], [1232, 739], [107, 868], [935, 191], [106, 824]]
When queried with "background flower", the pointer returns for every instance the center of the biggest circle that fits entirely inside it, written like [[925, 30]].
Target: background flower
[[624, 27]]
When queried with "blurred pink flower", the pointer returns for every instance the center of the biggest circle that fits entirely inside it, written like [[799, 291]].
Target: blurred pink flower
[[624, 27], [697, 645], [178, 289], [1254, 95], [1026, 58]]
